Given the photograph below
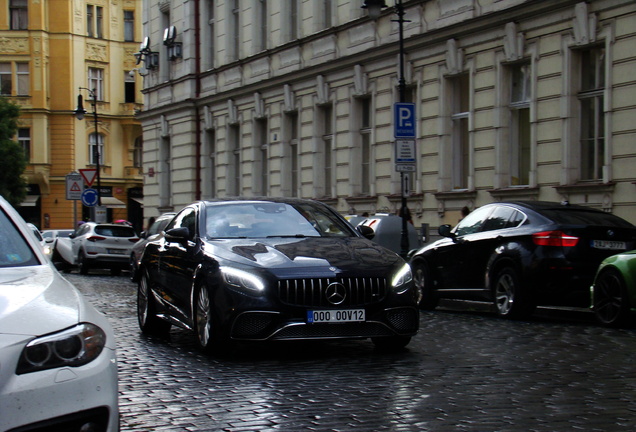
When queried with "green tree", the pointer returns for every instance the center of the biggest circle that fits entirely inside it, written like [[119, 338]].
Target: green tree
[[12, 159]]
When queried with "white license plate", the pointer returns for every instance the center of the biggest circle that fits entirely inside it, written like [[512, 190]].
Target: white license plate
[[608, 244], [117, 251], [335, 316]]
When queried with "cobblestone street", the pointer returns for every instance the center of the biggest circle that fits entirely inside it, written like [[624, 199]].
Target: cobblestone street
[[464, 371]]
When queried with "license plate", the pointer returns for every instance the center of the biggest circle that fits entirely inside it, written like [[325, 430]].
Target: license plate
[[335, 316], [117, 251], [608, 244]]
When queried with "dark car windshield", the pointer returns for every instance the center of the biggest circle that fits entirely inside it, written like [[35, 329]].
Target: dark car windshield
[[269, 219], [14, 249], [115, 231], [571, 216]]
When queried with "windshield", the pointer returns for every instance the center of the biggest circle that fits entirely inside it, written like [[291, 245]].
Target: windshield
[[268, 219], [14, 249]]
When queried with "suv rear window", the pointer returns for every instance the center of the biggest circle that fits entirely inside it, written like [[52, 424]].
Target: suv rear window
[[115, 231], [584, 217]]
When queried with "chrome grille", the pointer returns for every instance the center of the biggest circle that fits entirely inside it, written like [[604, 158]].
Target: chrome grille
[[311, 292]]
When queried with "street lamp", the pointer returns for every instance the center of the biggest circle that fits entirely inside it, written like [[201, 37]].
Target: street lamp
[[374, 8], [79, 113]]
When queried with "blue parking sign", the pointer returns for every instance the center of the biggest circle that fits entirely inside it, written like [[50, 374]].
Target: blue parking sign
[[404, 120]]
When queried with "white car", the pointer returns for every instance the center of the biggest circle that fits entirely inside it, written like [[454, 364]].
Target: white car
[[58, 369], [95, 245]]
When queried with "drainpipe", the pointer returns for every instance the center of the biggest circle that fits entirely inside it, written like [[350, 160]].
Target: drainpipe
[[197, 92]]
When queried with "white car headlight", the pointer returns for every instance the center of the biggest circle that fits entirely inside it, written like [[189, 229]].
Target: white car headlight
[[245, 281], [401, 278], [75, 346]]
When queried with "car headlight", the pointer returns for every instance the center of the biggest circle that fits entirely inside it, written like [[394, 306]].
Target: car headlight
[[75, 346], [245, 281], [401, 278]]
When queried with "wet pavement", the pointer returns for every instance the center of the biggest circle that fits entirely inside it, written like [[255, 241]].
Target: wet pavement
[[464, 371]]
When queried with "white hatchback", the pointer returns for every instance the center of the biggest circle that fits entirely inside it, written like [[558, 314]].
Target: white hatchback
[[58, 369]]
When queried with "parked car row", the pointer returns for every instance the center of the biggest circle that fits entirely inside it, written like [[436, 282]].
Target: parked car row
[[520, 255]]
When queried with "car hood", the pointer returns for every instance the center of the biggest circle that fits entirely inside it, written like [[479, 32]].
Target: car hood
[[36, 300], [306, 253]]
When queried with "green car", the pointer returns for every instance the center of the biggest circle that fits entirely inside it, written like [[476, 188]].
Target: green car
[[614, 290]]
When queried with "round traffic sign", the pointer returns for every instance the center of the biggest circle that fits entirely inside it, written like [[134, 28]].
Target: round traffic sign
[[89, 197]]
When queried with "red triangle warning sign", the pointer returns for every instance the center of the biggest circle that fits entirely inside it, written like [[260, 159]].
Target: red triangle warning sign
[[75, 187], [88, 174]]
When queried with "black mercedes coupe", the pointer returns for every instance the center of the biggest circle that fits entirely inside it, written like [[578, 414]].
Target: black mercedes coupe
[[273, 269]]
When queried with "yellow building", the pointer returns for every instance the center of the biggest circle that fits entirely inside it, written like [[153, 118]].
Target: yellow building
[[50, 52]]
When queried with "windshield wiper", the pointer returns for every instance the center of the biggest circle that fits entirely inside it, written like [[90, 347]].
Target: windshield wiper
[[287, 236]]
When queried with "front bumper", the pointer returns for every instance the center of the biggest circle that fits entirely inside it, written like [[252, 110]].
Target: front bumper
[[269, 325]]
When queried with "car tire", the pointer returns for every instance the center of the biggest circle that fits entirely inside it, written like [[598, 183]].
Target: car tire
[[205, 331], [427, 299], [611, 301], [509, 296], [149, 323], [391, 343], [82, 263]]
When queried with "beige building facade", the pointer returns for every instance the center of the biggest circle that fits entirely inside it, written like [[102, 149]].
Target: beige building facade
[[49, 49], [514, 99]]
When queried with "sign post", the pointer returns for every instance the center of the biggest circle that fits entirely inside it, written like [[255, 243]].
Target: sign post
[[74, 188], [404, 128]]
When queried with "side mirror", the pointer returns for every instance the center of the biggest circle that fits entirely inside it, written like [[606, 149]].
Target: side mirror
[[445, 231], [143, 234], [180, 235], [366, 231]]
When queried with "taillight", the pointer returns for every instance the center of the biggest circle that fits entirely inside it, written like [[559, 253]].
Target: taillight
[[554, 238], [95, 238]]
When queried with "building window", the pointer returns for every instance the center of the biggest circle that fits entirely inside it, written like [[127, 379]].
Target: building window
[[96, 82], [95, 148], [129, 26], [138, 151], [327, 13], [327, 141], [590, 96], [14, 72], [210, 38], [234, 31], [520, 96], [460, 149], [18, 14], [291, 128], [292, 19], [209, 164], [234, 175], [6, 85], [24, 139], [165, 173], [261, 23], [260, 180], [94, 21], [365, 145], [129, 88]]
